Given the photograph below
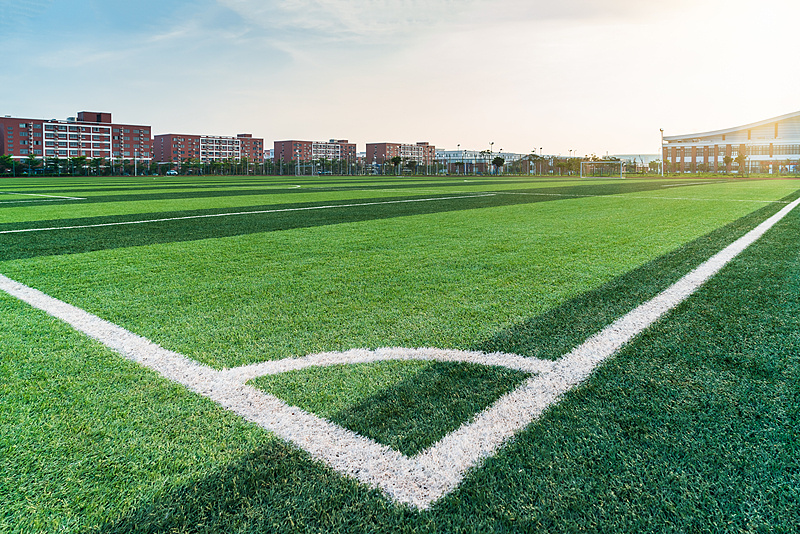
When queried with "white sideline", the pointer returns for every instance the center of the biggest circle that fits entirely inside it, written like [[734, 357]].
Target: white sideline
[[40, 195], [49, 198], [237, 213], [422, 479]]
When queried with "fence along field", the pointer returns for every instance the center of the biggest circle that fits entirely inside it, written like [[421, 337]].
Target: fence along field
[[369, 278]]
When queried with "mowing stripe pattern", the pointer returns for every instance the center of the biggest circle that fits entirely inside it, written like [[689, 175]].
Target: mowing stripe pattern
[[424, 478]]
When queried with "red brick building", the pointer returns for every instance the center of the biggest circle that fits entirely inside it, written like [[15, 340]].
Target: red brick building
[[305, 151], [90, 134], [378, 153], [175, 148]]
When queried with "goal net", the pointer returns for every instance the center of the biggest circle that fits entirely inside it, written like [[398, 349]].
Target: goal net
[[607, 169]]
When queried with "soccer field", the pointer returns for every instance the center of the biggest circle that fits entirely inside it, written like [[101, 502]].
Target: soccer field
[[391, 354]]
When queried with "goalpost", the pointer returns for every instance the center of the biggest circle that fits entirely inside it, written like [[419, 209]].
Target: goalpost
[[610, 169]]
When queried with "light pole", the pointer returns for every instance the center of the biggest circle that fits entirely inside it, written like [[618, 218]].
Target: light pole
[[491, 153], [662, 151]]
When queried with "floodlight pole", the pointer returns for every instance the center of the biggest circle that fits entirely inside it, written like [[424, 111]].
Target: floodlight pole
[[662, 151]]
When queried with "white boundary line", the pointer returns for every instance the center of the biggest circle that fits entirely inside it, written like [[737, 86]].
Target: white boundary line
[[50, 198], [232, 214], [424, 478], [634, 195], [39, 195]]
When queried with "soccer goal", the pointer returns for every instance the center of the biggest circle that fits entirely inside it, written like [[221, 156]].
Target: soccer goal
[[608, 169]]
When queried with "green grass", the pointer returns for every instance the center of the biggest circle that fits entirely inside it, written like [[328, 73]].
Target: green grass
[[693, 427], [449, 279], [406, 405]]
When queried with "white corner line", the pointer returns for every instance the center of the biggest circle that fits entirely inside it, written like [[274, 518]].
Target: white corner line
[[239, 213], [421, 480]]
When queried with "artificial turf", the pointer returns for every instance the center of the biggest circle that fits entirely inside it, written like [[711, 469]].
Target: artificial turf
[[693, 427]]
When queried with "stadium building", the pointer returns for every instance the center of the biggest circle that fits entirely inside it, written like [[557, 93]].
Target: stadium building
[[770, 146], [90, 134]]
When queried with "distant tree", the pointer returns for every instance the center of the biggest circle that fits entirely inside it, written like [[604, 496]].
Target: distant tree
[[534, 159], [53, 165], [77, 164], [498, 163], [741, 161], [396, 161], [96, 164], [727, 161], [7, 163], [412, 166], [31, 162]]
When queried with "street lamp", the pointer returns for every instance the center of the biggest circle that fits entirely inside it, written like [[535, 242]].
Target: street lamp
[[662, 152]]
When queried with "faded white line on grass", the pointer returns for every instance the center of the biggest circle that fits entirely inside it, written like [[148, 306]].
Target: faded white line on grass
[[238, 213], [629, 195], [426, 477], [39, 195], [49, 198], [691, 183]]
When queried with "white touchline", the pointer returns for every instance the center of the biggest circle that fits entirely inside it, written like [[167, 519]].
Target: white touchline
[[40, 195], [422, 479], [256, 212], [633, 195]]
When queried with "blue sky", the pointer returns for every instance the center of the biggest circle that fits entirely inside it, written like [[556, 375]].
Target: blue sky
[[589, 76]]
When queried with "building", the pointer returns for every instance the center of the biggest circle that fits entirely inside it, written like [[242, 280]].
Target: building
[[90, 134], [478, 161], [175, 148], [769, 146], [379, 153], [305, 151], [637, 163]]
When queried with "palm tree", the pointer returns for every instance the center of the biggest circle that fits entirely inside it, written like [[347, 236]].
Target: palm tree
[[78, 163], [741, 160], [96, 163], [31, 163]]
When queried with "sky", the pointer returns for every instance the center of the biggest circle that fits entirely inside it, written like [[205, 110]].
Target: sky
[[564, 76]]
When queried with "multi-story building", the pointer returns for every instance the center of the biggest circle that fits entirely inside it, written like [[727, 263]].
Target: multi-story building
[[475, 161], [423, 153], [90, 134], [175, 148], [305, 151], [768, 146]]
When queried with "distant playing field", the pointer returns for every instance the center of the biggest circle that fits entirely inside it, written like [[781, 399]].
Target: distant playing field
[[693, 426]]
